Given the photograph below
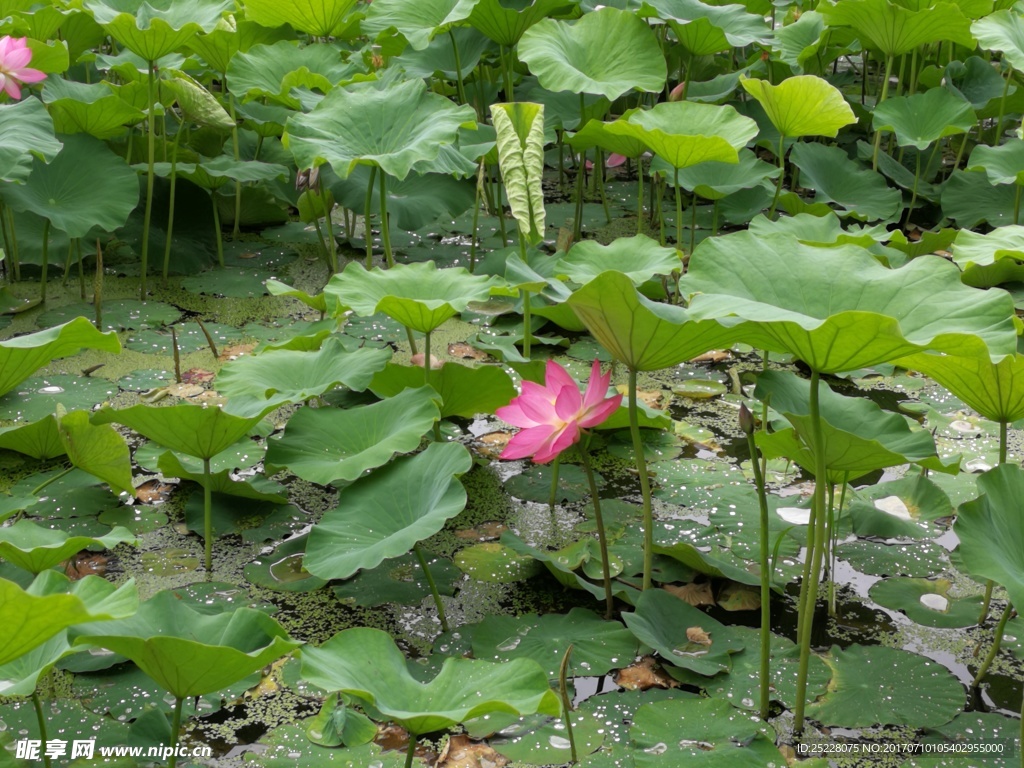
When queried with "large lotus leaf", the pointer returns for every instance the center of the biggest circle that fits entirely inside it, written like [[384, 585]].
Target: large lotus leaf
[[393, 128], [923, 118], [683, 133], [992, 258], [154, 28], [20, 677], [715, 180], [220, 481], [886, 686], [38, 439], [319, 18], [400, 581], [419, 296], [926, 601], [520, 142], [198, 430], [796, 43], [26, 131], [608, 52], [895, 29], [969, 199], [992, 387], [51, 604], [464, 391], [366, 663], [639, 258], [599, 646], [562, 108], [324, 445], [1002, 165], [643, 334], [94, 108], [272, 71], [836, 178], [851, 311], [254, 383], [417, 201], [804, 105], [186, 652], [232, 36], [22, 356], [595, 133], [387, 513], [685, 636], [98, 449], [991, 530], [215, 173], [859, 436], [505, 22], [64, 190], [418, 22], [736, 25], [1002, 31], [36, 548]]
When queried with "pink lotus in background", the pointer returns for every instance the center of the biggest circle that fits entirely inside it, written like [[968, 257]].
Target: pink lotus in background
[[14, 56], [552, 417]]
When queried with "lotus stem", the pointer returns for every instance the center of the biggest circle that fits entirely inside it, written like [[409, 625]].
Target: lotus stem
[[39, 488], [561, 162], [207, 519], [1016, 203], [41, 719], [332, 259], [553, 495], [639, 195], [527, 322], [693, 222], [428, 375], [810, 585], [13, 254], [217, 229], [323, 242], [170, 205], [410, 753], [599, 183], [385, 224], [782, 175], [997, 641], [917, 178], [1003, 437], [507, 64], [881, 97], [150, 162], [3, 230], [766, 575], [581, 173], [832, 611], [175, 730], [433, 586], [645, 482], [563, 688], [67, 264], [81, 268], [476, 219], [97, 287], [209, 339], [458, 68], [176, 355], [367, 231], [1002, 106], [602, 538], [1003, 429], [46, 256], [679, 210]]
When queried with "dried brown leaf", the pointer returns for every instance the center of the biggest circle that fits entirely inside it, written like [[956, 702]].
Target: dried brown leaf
[[695, 594]]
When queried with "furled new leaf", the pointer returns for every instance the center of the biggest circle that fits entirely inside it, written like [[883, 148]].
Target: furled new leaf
[[520, 129]]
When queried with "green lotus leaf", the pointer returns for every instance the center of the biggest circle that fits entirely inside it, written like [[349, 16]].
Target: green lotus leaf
[[188, 653], [366, 663], [197, 104], [562, 108], [419, 296], [970, 199], [319, 18], [639, 258], [464, 392], [980, 727], [35, 548], [255, 383], [495, 563], [272, 71], [415, 202], [64, 190], [926, 601], [900, 509], [154, 28], [520, 142], [20, 677], [315, 301], [387, 513], [826, 231], [38, 439], [1002, 165], [599, 646], [505, 22], [923, 118], [220, 481], [804, 105], [52, 603], [1002, 31], [400, 580], [22, 356], [418, 22], [836, 178], [991, 532], [232, 36], [212, 174], [994, 387], [797, 43], [596, 133], [26, 132], [839, 323], [859, 436], [990, 259], [608, 52], [197, 430], [95, 109], [325, 445], [393, 129], [683, 133], [886, 686], [732, 25], [643, 334], [715, 180], [98, 449], [439, 55], [895, 29]]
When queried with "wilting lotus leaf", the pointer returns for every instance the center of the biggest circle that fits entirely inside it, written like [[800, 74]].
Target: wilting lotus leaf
[[324, 445], [804, 105], [366, 663], [21, 356], [399, 580], [314, 301], [920, 119], [922, 560], [992, 258], [927, 601], [418, 22], [255, 383], [94, 108], [643, 334], [51, 604], [36, 548], [991, 530], [319, 18], [38, 439], [272, 71], [685, 636], [186, 652], [153, 29], [464, 391], [835, 178], [885, 686], [505, 23], [97, 449], [387, 513], [841, 324], [26, 132], [895, 29], [640, 258], [608, 51]]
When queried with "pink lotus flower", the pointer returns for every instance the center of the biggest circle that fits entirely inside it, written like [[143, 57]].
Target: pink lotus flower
[[14, 56], [553, 416]]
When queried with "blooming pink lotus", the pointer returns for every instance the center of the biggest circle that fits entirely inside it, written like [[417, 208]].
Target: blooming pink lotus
[[14, 56], [553, 416]]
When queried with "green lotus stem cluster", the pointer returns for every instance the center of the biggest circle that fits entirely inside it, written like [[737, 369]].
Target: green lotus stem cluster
[[207, 519], [150, 175], [602, 538]]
